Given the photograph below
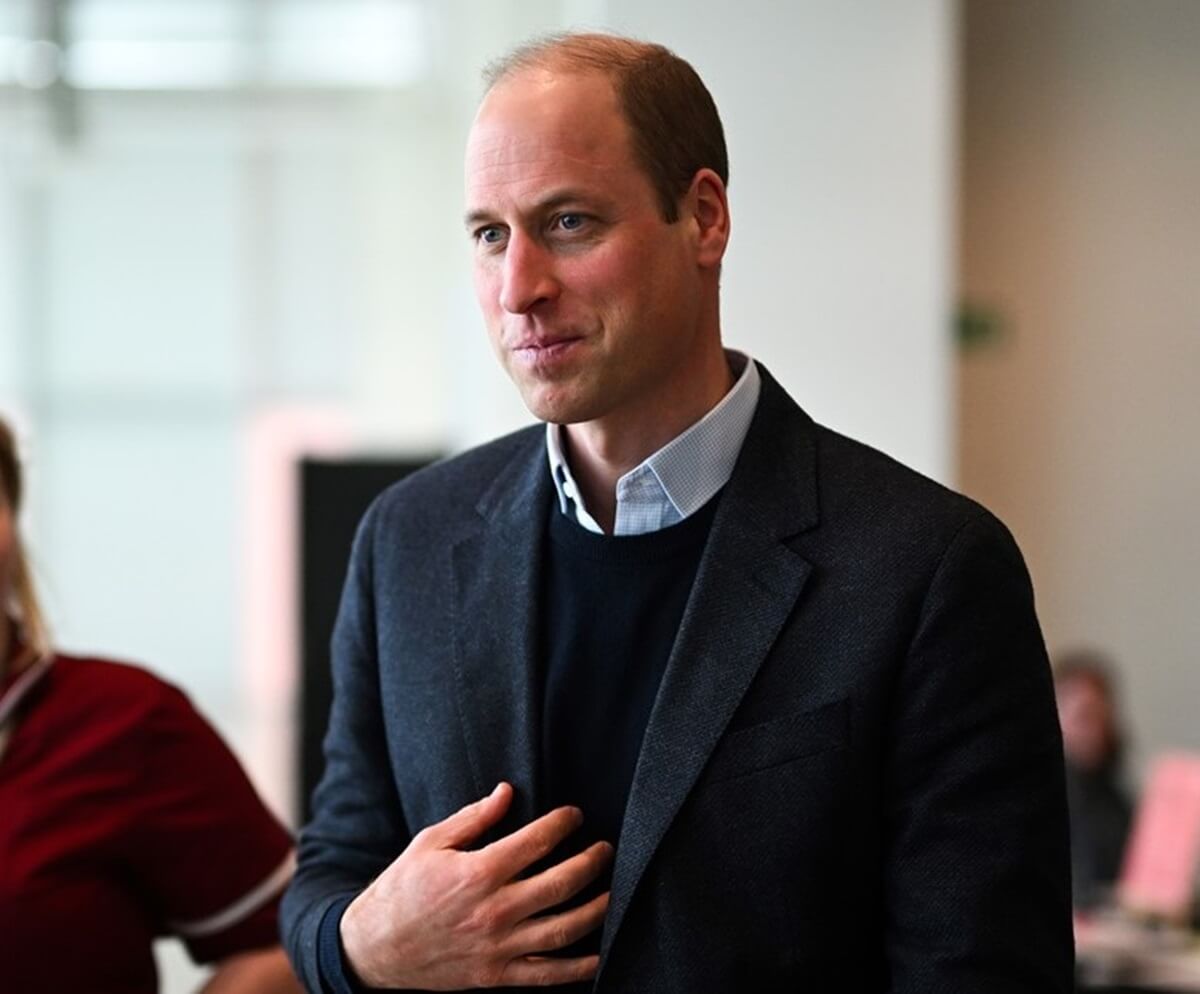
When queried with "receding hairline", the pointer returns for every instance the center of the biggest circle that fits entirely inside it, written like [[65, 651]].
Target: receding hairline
[[673, 122], [571, 52]]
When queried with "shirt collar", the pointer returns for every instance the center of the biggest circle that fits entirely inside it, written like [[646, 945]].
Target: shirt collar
[[569, 500], [682, 476]]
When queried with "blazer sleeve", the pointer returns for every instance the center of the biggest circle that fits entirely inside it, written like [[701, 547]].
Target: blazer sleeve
[[977, 874], [358, 825]]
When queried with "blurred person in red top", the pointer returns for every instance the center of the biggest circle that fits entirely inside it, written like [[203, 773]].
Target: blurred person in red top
[[1093, 746], [124, 818]]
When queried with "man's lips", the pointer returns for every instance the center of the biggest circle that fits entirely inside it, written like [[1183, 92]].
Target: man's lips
[[546, 353], [540, 344]]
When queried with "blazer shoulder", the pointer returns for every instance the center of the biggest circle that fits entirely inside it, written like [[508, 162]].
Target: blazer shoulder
[[857, 491], [438, 496], [867, 490]]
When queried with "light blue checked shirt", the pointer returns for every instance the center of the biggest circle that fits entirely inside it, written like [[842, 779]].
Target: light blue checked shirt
[[679, 478]]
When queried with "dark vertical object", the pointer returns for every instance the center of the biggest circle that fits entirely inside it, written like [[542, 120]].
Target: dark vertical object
[[333, 497]]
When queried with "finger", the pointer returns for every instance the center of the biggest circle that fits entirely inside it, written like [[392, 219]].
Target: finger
[[466, 824], [542, 971], [510, 855], [542, 935], [525, 898]]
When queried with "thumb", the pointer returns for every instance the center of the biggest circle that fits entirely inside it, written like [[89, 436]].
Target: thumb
[[467, 824]]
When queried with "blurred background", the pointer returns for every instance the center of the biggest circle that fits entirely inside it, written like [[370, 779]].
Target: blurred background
[[965, 232]]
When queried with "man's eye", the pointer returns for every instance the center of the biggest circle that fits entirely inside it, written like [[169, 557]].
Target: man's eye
[[570, 222], [491, 235]]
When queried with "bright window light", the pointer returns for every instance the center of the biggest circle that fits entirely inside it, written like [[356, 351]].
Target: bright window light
[[158, 65], [221, 44]]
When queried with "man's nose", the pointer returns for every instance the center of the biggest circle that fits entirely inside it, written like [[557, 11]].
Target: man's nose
[[528, 275]]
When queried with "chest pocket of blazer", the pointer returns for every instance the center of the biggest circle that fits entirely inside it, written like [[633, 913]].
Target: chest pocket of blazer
[[776, 741]]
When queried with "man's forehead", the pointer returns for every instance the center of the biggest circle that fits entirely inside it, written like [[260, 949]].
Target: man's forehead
[[541, 131], [532, 175], [550, 90], [537, 113], [502, 150]]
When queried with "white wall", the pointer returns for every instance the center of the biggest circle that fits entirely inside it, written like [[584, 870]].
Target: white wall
[[839, 119], [1081, 227]]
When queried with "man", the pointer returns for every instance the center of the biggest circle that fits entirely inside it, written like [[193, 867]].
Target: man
[[681, 692]]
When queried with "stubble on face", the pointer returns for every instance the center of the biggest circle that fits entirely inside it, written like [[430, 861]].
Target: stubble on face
[[610, 300]]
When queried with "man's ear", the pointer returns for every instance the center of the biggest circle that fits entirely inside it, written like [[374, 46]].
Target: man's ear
[[707, 208]]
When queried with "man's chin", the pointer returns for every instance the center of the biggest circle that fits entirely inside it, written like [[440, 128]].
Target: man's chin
[[557, 406]]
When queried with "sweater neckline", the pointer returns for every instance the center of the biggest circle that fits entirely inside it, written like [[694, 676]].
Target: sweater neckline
[[674, 540]]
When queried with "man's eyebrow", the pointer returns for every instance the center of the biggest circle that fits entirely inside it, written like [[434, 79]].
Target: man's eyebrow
[[557, 199], [472, 218]]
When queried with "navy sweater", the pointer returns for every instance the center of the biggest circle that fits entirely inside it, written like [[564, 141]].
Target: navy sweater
[[612, 609]]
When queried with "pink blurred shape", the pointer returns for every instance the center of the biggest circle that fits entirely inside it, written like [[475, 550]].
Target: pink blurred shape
[[1159, 873]]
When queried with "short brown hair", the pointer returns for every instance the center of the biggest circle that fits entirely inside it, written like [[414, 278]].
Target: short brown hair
[[673, 121], [24, 595], [1091, 666]]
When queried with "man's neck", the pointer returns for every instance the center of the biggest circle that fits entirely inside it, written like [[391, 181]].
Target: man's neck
[[601, 452]]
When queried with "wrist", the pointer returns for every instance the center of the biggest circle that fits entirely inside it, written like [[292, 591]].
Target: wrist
[[353, 936]]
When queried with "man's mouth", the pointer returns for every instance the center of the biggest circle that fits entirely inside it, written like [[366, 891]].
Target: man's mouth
[[535, 343], [546, 351]]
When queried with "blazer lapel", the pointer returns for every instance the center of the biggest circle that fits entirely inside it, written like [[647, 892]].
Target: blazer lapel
[[747, 585], [497, 574]]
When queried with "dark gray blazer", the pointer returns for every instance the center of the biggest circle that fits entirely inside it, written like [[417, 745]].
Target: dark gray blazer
[[852, 776]]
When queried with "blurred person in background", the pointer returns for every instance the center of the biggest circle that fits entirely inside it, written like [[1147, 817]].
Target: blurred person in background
[[1094, 746], [123, 817]]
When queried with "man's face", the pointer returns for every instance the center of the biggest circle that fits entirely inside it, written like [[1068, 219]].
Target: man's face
[[592, 300]]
